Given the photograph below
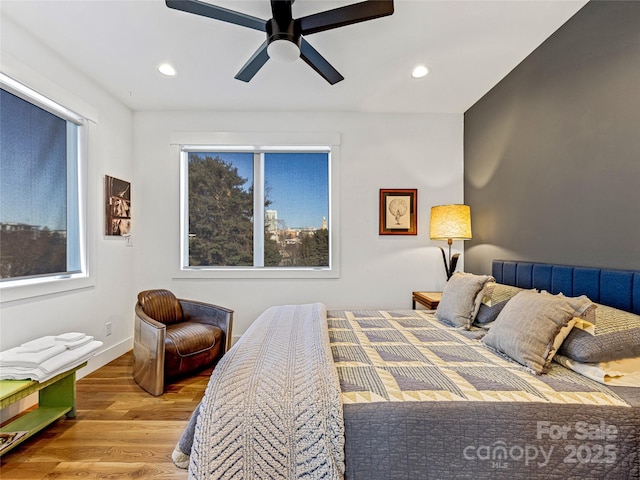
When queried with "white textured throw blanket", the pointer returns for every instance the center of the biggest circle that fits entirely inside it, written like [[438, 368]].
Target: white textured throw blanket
[[272, 409]]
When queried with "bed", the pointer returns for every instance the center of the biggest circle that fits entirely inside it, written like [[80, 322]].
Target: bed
[[411, 394]]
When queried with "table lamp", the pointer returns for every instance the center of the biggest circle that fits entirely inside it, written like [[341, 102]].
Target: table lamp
[[450, 222]]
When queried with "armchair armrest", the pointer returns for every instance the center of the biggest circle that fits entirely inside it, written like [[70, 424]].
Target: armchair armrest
[[150, 322], [221, 317], [148, 352]]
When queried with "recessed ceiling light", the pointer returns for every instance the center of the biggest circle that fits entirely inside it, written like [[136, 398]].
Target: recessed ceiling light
[[167, 70], [420, 71]]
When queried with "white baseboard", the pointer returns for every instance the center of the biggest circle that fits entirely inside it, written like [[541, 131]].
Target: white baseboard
[[14, 409], [105, 356]]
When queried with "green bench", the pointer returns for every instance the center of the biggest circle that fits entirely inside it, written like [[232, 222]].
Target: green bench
[[56, 397]]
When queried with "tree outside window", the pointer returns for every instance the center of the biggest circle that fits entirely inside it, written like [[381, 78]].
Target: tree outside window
[[293, 210]]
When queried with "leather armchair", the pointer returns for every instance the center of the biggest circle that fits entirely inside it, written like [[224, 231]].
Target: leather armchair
[[174, 337]]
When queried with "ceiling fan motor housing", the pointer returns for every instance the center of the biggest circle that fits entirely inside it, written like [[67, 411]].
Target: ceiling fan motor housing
[[280, 31]]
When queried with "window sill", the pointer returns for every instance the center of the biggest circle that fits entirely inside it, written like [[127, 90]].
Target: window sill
[[253, 272], [25, 290]]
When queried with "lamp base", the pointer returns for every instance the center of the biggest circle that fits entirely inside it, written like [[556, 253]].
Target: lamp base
[[453, 262]]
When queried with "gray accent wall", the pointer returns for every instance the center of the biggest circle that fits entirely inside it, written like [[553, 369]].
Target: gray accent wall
[[552, 152]]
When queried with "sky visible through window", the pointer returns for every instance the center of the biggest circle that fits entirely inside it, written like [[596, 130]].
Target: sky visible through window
[[297, 184], [33, 168]]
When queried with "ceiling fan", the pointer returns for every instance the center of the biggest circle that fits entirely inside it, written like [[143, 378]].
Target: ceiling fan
[[285, 34]]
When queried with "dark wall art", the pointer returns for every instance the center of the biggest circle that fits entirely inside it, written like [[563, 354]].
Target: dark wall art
[[117, 206]]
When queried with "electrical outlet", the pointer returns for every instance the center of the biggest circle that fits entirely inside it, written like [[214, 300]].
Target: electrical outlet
[[108, 328]]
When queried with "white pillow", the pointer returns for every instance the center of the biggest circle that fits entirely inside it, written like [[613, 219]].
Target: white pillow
[[618, 373]]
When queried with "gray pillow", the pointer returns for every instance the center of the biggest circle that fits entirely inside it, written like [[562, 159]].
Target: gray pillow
[[616, 335], [461, 299], [494, 298], [531, 327]]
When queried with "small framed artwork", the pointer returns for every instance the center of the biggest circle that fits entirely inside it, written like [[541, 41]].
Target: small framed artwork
[[399, 211], [117, 200]]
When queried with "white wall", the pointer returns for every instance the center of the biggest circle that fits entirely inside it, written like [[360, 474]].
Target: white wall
[[111, 297], [377, 151]]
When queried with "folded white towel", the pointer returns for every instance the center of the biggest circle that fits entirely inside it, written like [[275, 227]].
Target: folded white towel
[[69, 340], [21, 373], [52, 367], [69, 357], [78, 343], [14, 358], [38, 344], [70, 337]]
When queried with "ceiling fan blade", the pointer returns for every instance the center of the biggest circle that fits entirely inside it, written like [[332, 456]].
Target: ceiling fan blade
[[254, 64], [217, 13], [347, 15], [318, 63]]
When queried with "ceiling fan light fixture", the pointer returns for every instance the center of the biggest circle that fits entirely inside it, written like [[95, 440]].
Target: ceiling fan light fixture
[[283, 50], [420, 71], [167, 70]]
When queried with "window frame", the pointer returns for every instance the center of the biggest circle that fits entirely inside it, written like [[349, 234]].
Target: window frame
[[185, 142], [39, 285]]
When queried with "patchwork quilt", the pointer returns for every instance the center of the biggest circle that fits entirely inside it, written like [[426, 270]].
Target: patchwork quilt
[[422, 400], [396, 356]]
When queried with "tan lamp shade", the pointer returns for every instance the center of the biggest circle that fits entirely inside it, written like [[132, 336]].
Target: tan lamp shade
[[450, 222]]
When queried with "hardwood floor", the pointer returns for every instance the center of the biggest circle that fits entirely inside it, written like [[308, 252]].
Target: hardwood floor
[[120, 431]]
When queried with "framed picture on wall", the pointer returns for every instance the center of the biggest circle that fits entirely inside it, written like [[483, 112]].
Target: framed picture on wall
[[117, 200], [398, 211]]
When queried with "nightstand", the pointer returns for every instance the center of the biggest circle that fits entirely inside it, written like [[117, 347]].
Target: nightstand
[[429, 300]]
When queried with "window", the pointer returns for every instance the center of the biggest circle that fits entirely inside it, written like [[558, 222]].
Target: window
[[256, 208], [40, 224]]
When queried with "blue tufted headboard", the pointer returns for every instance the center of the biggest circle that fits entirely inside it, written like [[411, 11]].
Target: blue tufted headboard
[[616, 288]]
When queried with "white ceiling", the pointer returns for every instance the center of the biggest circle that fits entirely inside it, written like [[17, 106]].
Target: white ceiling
[[469, 46]]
